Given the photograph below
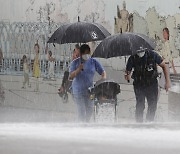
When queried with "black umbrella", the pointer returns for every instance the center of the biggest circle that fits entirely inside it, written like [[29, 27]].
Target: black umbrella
[[79, 32], [123, 45]]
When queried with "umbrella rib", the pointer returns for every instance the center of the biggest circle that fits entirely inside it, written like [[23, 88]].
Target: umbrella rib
[[100, 29], [141, 36], [68, 25], [72, 25]]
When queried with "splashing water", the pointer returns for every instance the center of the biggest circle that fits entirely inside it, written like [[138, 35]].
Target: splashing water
[[105, 113], [57, 138]]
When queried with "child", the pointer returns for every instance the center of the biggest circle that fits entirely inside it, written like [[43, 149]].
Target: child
[[26, 72], [51, 65]]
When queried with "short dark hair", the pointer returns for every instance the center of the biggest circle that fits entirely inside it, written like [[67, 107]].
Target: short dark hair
[[23, 58], [83, 48], [37, 46], [74, 50], [77, 46]]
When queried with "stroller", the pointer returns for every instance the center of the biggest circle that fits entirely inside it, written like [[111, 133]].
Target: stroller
[[104, 94]]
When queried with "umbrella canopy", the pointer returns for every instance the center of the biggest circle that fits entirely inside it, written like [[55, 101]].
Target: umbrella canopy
[[79, 32], [123, 44]]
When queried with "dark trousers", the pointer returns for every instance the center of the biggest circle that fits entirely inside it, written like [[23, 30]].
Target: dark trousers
[[150, 92]]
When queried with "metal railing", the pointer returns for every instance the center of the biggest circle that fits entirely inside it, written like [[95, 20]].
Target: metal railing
[[18, 39]]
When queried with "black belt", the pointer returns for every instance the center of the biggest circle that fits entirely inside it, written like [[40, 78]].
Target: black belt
[[166, 62]]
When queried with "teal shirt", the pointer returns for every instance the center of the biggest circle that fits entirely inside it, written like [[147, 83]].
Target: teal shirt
[[84, 79]]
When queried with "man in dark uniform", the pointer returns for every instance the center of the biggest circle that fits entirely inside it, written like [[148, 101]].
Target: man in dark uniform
[[145, 81]]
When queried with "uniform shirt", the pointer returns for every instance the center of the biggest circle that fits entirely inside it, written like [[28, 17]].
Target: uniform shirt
[[84, 79], [156, 57]]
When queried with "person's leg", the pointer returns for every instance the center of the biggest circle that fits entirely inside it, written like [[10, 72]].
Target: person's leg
[[37, 84], [140, 103], [81, 109], [89, 108], [53, 74], [152, 97], [28, 80], [26, 76], [24, 82], [49, 73], [162, 79]]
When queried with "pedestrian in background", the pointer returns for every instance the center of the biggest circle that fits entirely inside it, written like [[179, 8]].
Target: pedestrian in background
[[36, 67], [51, 63], [25, 72], [166, 53]]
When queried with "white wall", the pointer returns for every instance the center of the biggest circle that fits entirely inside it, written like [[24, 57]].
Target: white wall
[[25, 10]]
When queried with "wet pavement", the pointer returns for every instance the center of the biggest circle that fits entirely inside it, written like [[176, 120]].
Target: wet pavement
[[37, 123], [46, 105], [55, 138]]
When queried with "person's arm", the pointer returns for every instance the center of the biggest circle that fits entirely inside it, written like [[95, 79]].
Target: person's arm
[[128, 70], [166, 74], [103, 75], [75, 72], [159, 60], [127, 75], [99, 68], [173, 67]]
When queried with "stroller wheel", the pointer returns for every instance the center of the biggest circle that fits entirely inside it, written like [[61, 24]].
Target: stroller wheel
[[115, 113], [95, 112], [65, 98]]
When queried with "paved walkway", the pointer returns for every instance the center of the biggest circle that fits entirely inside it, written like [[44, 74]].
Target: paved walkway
[[40, 123], [26, 105]]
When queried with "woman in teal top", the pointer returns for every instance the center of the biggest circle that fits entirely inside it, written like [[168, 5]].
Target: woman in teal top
[[82, 71]]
